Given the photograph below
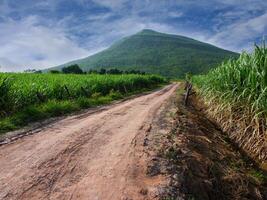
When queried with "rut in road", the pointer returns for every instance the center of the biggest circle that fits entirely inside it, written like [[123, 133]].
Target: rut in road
[[94, 156]]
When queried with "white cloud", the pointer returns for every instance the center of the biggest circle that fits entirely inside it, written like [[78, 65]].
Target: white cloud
[[60, 35], [114, 4], [25, 44], [237, 34], [99, 17], [175, 14], [104, 33]]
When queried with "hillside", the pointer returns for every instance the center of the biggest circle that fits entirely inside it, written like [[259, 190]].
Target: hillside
[[154, 52]]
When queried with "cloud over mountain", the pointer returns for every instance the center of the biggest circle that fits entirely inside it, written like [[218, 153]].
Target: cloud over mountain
[[39, 34]]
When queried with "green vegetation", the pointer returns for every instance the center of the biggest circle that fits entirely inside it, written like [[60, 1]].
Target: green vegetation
[[29, 97], [114, 71], [72, 69], [236, 93], [156, 53], [75, 69], [258, 175]]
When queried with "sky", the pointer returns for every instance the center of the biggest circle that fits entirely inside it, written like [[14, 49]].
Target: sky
[[37, 34]]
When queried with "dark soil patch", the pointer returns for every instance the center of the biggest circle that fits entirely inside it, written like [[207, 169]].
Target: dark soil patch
[[202, 163]]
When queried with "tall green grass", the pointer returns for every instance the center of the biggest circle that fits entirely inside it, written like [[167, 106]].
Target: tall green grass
[[26, 98], [236, 94], [18, 91]]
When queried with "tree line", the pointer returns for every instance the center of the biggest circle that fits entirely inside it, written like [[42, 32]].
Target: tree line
[[75, 69]]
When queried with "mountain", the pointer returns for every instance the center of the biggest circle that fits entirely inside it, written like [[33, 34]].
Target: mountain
[[154, 52]]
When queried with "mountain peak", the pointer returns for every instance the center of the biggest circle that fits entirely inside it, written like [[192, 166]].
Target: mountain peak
[[154, 52], [148, 31]]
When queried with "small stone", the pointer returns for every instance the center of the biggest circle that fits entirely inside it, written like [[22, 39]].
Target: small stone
[[175, 177], [145, 142], [143, 191]]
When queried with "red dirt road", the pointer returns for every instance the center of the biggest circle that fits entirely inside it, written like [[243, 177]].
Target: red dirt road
[[89, 156]]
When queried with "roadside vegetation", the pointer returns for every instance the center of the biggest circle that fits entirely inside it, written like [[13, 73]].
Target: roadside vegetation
[[236, 96], [30, 97]]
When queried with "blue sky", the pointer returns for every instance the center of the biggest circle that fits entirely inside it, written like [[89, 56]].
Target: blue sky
[[43, 33]]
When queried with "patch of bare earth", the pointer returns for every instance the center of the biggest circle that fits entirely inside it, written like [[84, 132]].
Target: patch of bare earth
[[101, 155], [202, 163]]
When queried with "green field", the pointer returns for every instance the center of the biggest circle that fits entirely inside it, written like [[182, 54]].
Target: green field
[[30, 97], [236, 94]]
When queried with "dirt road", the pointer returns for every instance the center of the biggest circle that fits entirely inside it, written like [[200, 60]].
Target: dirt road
[[88, 156]]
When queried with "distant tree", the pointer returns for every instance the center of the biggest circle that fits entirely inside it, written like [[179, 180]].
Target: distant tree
[[102, 71], [38, 72], [72, 69], [114, 71], [30, 71], [54, 71], [134, 72], [92, 71]]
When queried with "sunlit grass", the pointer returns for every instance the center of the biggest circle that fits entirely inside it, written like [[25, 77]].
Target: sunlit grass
[[236, 94], [18, 91], [26, 98]]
